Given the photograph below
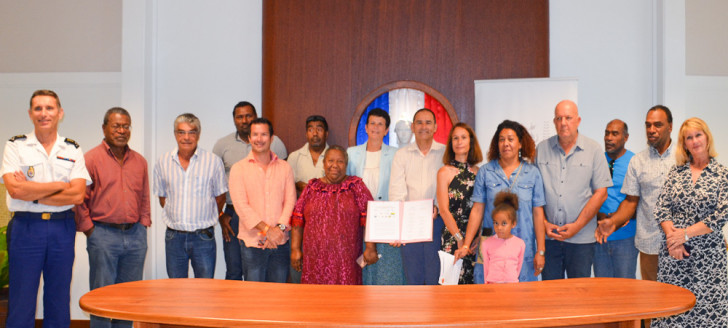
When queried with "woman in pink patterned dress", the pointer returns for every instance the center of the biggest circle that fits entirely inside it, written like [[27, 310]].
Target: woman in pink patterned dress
[[328, 223]]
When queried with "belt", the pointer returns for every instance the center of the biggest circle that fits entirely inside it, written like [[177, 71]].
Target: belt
[[209, 232], [67, 214], [120, 226], [196, 231]]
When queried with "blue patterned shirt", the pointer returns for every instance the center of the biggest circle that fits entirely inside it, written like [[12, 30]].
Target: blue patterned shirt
[[190, 194]]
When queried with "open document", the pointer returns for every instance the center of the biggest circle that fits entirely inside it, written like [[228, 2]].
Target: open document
[[401, 222]]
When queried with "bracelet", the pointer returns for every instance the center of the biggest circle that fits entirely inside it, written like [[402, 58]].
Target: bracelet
[[458, 236], [466, 247], [686, 234], [264, 231], [220, 215]]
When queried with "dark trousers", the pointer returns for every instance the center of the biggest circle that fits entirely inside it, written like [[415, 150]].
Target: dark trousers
[[38, 246], [420, 260], [573, 259], [231, 249]]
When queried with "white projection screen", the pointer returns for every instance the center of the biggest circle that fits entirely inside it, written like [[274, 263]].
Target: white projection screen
[[530, 102]]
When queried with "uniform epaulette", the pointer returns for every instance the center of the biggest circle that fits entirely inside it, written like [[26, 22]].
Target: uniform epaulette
[[18, 137], [72, 142]]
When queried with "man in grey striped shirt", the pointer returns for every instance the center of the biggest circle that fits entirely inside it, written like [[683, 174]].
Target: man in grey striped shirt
[[190, 183]]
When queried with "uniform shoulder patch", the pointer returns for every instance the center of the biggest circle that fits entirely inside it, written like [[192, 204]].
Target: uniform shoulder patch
[[71, 142], [18, 137]]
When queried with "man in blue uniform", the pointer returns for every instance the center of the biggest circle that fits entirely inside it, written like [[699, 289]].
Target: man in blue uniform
[[45, 175]]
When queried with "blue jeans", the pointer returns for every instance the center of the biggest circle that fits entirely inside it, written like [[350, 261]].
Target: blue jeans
[[35, 246], [575, 259], [267, 265], [115, 256], [616, 258], [233, 262], [420, 261], [197, 247]]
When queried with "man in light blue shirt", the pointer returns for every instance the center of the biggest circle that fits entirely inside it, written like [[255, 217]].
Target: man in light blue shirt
[[190, 183], [616, 256], [576, 179]]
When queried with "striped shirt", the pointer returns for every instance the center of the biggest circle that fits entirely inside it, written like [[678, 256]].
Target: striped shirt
[[190, 194]]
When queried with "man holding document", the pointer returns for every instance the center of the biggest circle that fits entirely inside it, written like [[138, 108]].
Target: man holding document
[[414, 177]]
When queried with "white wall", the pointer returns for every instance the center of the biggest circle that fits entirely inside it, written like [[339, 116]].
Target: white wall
[[192, 56], [607, 46], [207, 57]]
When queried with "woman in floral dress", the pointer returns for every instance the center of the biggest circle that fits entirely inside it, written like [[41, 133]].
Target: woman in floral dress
[[455, 183], [692, 209]]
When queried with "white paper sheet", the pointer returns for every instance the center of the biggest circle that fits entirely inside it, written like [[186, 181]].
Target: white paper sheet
[[383, 221], [417, 221], [449, 269]]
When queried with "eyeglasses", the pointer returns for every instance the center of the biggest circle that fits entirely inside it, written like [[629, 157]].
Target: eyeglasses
[[182, 133]]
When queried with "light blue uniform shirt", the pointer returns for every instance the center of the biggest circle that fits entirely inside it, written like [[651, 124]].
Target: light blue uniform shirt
[[529, 187], [570, 181]]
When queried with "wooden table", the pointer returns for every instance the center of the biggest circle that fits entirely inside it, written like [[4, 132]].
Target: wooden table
[[606, 302]]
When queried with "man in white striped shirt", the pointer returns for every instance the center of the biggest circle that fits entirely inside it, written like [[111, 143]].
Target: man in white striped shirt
[[190, 183]]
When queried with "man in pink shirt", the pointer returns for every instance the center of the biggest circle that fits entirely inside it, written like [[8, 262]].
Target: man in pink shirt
[[263, 193], [114, 214]]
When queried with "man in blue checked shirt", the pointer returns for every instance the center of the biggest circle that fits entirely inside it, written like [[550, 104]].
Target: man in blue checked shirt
[[190, 183]]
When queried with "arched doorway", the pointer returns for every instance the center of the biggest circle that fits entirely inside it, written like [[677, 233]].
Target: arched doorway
[[401, 99]]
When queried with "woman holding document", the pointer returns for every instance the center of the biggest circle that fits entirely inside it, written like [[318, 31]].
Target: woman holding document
[[326, 238], [455, 183], [372, 162], [510, 168]]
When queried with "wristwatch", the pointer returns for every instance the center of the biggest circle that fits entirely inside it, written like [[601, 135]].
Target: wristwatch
[[542, 253], [282, 227]]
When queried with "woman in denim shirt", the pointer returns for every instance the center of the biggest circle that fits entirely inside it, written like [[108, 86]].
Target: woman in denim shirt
[[510, 167]]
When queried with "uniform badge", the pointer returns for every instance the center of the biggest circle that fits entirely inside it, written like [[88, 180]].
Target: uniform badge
[[31, 172]]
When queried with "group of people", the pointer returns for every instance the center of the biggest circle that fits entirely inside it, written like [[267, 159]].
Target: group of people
[[556, 209]]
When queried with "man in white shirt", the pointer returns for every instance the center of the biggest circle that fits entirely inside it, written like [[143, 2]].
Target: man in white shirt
[[414, 177], [307, 162], [45, 175]]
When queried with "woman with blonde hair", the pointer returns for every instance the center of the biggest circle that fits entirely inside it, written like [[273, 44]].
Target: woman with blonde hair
[[692, 209]]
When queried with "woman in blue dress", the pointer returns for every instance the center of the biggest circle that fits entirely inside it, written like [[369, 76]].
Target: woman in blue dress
[[510, 167]]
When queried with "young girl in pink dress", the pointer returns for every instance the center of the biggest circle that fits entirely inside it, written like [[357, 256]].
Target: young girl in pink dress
[[503, 252]]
